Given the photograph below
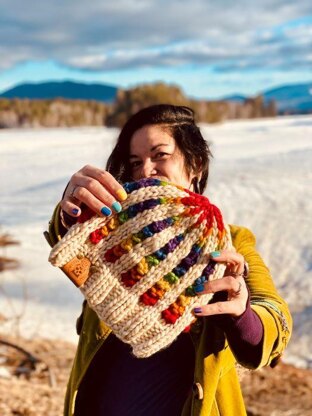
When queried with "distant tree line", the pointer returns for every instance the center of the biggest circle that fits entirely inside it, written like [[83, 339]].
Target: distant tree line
[[66, 113], [51, 113]]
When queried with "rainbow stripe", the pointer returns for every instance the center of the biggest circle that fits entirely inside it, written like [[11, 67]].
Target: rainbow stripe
[[195, 205]]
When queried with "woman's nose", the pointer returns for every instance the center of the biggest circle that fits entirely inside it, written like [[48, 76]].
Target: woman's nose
[[148, 169]]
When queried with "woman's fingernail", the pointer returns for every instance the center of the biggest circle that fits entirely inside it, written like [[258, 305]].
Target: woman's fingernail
[[116, 206], [106, 211], [197, 310], [215, 254], [122, 194], [75, 211], [199, 288]]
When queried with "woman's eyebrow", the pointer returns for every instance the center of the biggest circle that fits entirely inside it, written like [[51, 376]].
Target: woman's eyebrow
[[152, 149], [158, 145]]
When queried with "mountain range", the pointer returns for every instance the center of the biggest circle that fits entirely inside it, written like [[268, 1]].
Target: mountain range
[[62, 89], [295, 99]]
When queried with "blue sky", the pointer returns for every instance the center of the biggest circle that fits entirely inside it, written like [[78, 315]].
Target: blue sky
[[210, 49]]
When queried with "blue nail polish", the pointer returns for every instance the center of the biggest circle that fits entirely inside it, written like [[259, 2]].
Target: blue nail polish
[[215, 254], [199, 288], [75, 211], [106, 211], [116, 206], [198, 310]]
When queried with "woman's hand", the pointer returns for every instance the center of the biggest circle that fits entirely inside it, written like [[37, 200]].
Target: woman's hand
[[233, 283], [96, 188]]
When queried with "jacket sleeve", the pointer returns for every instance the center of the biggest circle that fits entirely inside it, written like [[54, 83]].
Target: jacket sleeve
[[55, 229], [265, 300]]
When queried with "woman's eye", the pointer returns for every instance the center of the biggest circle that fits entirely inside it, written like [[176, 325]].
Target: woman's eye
[[160, 154], [135, 164]]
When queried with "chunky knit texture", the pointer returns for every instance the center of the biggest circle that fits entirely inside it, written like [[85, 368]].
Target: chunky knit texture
[[147, 260]]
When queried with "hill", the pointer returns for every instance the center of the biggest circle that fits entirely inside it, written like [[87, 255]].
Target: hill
[[67, 90], [291, 99], [235, 98]]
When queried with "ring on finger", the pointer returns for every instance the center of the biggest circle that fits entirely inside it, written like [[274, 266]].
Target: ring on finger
[[244, 273], [237, 274], [73, 191], [237, 292]]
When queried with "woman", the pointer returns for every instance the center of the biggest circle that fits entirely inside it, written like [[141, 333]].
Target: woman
[[247, 321]]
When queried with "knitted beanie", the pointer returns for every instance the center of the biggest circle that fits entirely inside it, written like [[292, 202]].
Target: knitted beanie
[[138, 269]]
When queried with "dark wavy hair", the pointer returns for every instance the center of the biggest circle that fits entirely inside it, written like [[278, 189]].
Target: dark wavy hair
[[180, 124]]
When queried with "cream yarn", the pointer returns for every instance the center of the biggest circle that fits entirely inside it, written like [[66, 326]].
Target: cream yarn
[[147, 260]]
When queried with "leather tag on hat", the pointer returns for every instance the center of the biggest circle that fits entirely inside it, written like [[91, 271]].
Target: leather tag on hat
[[77, 270]]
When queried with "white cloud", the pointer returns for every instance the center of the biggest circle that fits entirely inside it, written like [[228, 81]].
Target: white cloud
[[100, 36]]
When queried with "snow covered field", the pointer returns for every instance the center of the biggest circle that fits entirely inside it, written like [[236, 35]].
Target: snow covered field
[[260, 177]]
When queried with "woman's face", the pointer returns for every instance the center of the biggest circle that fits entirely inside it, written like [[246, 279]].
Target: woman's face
[[154, 153]]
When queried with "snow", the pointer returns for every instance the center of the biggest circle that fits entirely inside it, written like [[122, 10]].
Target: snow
[[260, 177]]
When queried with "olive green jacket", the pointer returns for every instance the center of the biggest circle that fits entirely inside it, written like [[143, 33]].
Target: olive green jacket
[[216, 386]]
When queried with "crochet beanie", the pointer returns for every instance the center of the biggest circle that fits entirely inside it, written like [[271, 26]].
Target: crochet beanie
[[138, 269]]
